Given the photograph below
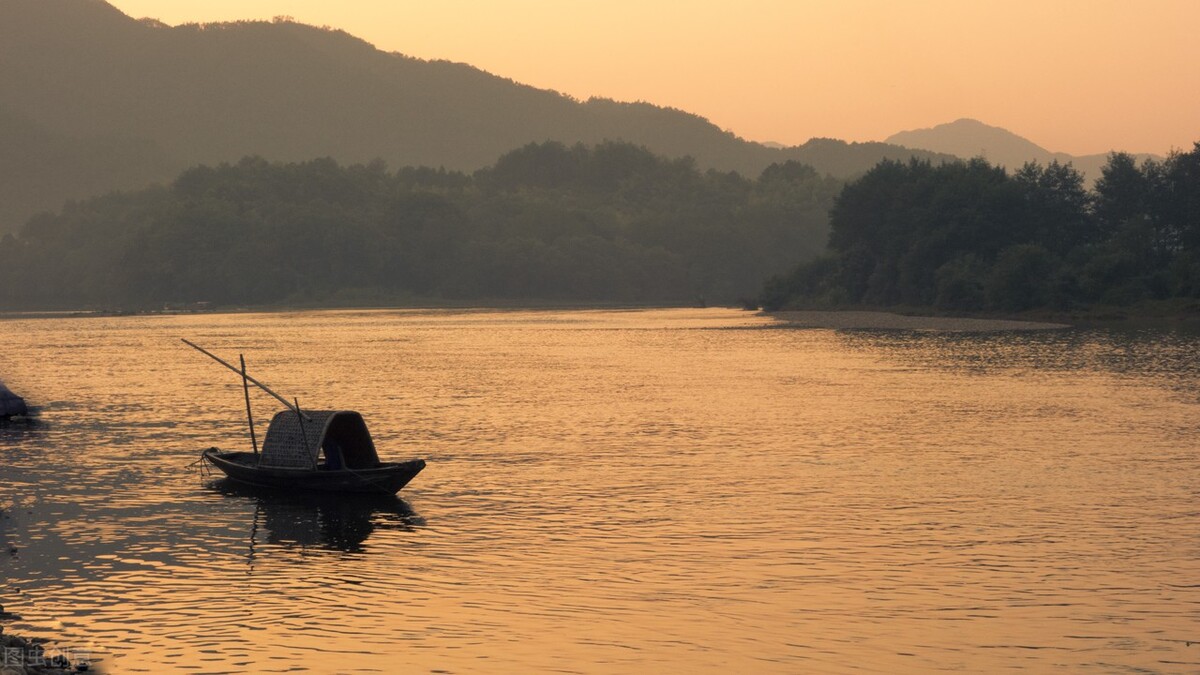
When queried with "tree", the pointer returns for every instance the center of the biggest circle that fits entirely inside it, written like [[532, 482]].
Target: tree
[[1056, 214], [1021, 278]]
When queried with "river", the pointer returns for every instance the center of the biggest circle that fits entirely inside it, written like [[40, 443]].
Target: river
[[611, 491]]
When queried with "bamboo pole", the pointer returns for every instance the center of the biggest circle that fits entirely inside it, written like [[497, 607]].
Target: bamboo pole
[[249, 415], [260, 385], [303, 433]]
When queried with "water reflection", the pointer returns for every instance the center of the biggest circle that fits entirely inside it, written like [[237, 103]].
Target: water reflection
[[17, 428], [336, 522], [1132, 351], [616, 492]]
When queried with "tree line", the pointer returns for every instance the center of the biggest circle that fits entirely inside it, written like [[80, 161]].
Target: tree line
[[971, 236], [613, 222]]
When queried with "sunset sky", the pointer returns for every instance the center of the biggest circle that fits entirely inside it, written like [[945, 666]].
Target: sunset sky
[[1078, 76]]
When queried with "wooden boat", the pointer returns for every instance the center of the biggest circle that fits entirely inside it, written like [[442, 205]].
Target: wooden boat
[[387, 478], [325, 450], [11, 405]]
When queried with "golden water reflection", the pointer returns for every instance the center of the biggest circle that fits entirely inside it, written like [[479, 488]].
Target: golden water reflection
[[340, 522], [614, 492]]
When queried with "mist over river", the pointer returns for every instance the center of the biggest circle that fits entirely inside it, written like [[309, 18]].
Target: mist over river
[[684, 490]]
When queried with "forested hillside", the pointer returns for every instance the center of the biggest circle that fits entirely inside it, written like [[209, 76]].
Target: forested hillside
[[546, 222], [971, 236], [92, 100]]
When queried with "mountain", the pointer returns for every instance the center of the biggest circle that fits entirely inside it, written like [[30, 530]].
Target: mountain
[[93, 100], [40, 168], [967, 138]]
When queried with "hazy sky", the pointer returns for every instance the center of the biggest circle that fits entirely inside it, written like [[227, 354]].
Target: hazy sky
[[1078, 76]]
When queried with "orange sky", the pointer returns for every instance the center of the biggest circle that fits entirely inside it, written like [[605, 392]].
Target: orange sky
[[1078, 76]]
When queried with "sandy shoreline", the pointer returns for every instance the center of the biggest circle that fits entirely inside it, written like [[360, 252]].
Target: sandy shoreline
[[854, 319]]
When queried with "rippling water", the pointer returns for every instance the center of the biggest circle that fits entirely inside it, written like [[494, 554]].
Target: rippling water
[[684, 490]]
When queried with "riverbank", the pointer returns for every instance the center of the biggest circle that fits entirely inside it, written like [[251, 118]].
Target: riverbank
[[874, 320], [1168, 314], [416, 305], [1159, 314]]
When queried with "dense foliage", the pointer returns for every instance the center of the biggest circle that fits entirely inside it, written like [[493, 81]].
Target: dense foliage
[[970, 236], [609, 223]]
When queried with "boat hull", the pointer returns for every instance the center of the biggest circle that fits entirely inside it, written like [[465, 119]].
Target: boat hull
[[387, 478]]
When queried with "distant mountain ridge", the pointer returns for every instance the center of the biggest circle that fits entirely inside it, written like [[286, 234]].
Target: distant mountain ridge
[[94, 100], [967, 138]]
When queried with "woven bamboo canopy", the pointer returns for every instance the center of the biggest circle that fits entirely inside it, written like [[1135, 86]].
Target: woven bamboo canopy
[[296, 443]]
